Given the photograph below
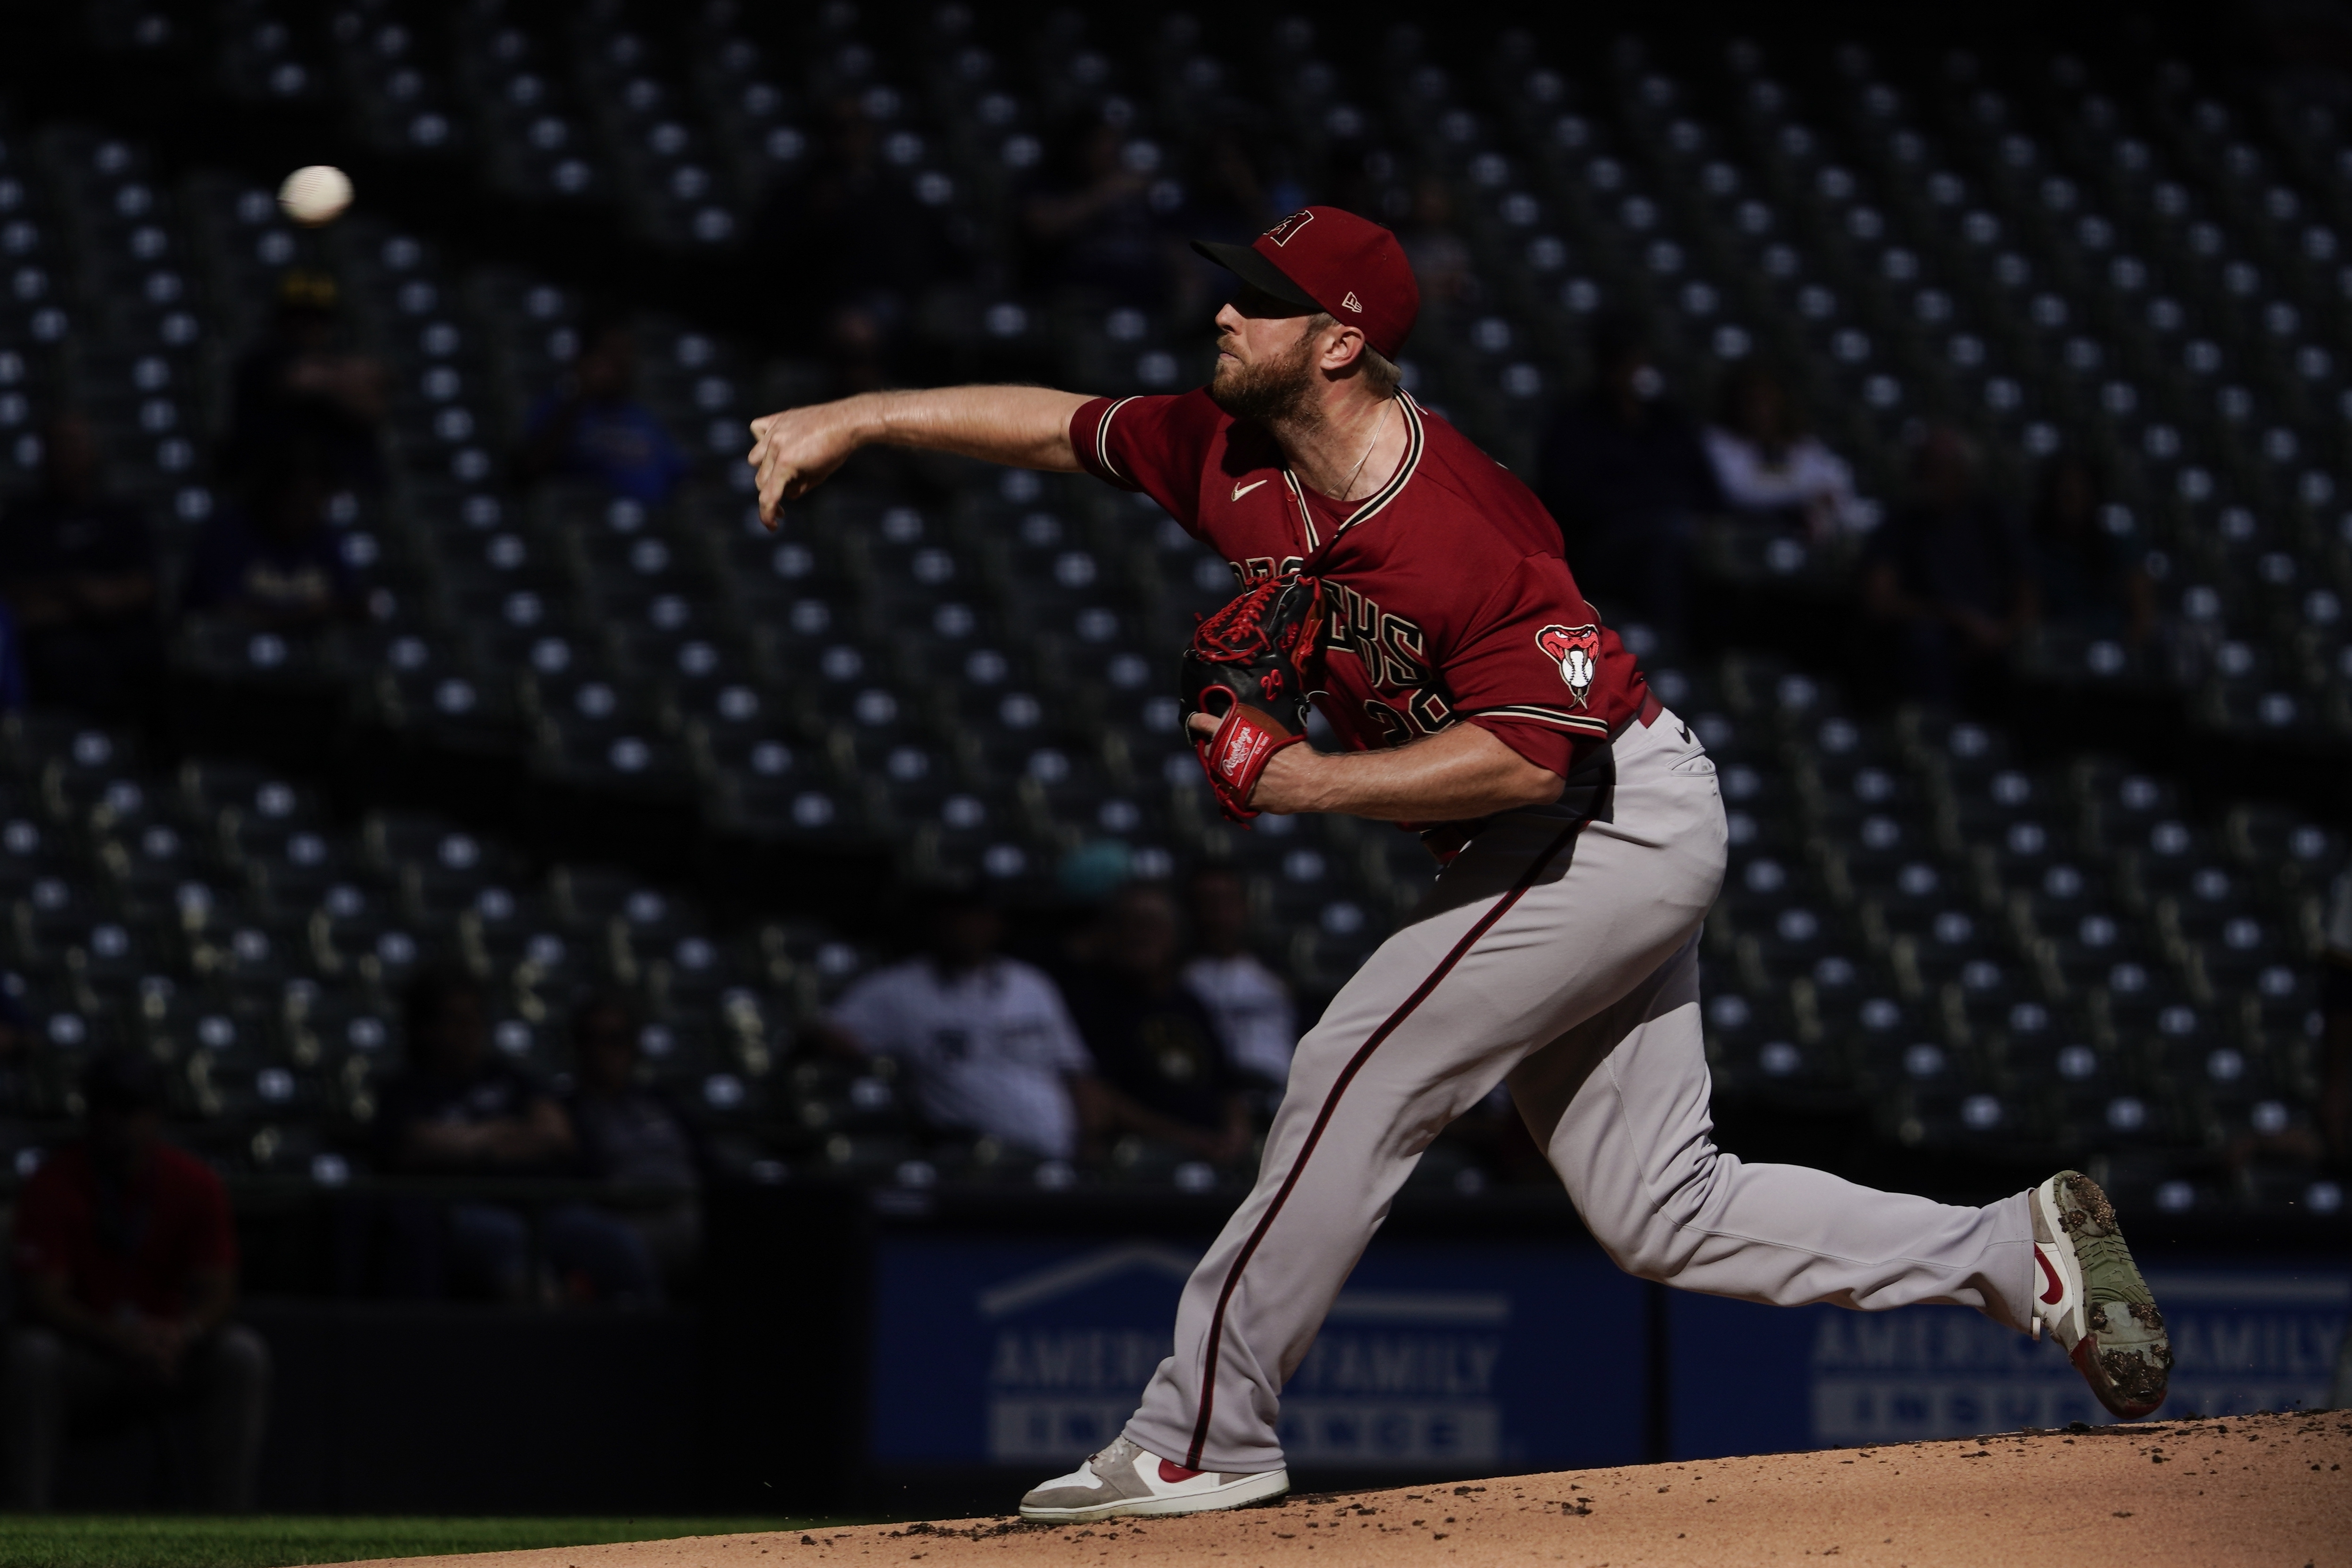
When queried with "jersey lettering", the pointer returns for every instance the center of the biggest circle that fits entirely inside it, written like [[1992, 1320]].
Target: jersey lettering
[[1395, 652], [1258, 568], [1356, 626], [1403, 650], [1394, 730]]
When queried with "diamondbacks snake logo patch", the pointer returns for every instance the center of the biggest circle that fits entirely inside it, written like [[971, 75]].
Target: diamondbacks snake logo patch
[[1577, 651]]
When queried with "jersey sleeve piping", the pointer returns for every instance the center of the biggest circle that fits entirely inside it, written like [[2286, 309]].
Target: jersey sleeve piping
[[1538, 713], [1102, 443]]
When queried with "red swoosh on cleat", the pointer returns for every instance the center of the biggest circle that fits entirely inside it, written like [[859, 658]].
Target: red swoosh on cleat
[[1172, 1473], [2049, 1271]]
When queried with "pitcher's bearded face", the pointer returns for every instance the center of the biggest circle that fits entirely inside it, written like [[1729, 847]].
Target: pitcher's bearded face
[[1272, 389]]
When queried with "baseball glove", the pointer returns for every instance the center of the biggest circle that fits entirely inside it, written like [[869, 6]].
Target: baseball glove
[[1251, 667]]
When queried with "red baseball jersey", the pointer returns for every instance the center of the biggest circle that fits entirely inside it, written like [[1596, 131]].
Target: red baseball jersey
[[141, 1246], [1450, 597]]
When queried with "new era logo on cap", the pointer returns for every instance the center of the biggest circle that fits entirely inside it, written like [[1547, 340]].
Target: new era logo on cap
[[1333, 261]]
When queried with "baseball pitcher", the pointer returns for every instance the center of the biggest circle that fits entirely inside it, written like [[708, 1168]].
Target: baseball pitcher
[[1416, 592]]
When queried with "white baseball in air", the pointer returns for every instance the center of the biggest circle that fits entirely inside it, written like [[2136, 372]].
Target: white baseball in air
[[315, 195]]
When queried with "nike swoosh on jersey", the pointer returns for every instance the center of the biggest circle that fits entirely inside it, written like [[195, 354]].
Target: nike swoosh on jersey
[[1241, 490]]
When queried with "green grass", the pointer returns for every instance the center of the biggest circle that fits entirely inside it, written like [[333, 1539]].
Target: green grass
[[155, 1541]]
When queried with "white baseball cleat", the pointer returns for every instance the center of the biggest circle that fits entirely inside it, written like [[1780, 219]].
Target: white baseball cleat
[[2093, 1300], [1125, 1479]]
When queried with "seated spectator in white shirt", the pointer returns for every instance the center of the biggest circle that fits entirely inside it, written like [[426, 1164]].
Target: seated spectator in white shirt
[[1770, 470], [1247, 1001], [986, 1039]]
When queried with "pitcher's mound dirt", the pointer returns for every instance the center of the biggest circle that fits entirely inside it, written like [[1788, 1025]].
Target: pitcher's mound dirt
[[2270, 1490]]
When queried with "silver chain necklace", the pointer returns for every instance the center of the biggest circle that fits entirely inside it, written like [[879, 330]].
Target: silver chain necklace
[[1348, 488]]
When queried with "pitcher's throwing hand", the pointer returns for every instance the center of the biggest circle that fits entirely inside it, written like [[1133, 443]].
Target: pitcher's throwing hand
[[797, 450]]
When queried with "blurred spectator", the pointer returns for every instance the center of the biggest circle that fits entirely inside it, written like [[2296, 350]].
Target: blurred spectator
[[1226, 200], [1769, 470], [2336, 1074], [272, 561], [13, 691], [2083, 580], [1624, 473], [1946, 579], [297, 387], [1163, 1072], [78, 569], [15, 1063], [1102, 216], [851, 250], [2336, 1013], [1248, 1002], [457, 1111], [1441, 261], [597, 430], [126, 1270], [985, 1038], [630, 1134]]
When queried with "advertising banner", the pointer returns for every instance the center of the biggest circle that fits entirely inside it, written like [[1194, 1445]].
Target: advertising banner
[[1751, 1379], [1445, 1359], [1437, 1359]]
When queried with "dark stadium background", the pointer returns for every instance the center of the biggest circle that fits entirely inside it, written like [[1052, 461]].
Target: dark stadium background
[[2221, 749]]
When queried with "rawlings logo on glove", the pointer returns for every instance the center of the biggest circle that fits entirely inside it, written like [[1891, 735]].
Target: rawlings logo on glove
[[1245, 754], [1251, 667]]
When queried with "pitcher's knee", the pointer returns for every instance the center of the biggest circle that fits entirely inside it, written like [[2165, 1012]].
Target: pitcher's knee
[[1642, 1245], [1655, 1236]]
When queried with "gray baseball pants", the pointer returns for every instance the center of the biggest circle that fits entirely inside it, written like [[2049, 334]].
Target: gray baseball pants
[[1561, 958]]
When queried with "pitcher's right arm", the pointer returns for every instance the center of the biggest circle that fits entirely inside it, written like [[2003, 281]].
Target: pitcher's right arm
[[1023, 427]]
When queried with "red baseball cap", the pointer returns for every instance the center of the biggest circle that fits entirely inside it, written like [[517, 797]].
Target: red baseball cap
[[1326, 259]]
